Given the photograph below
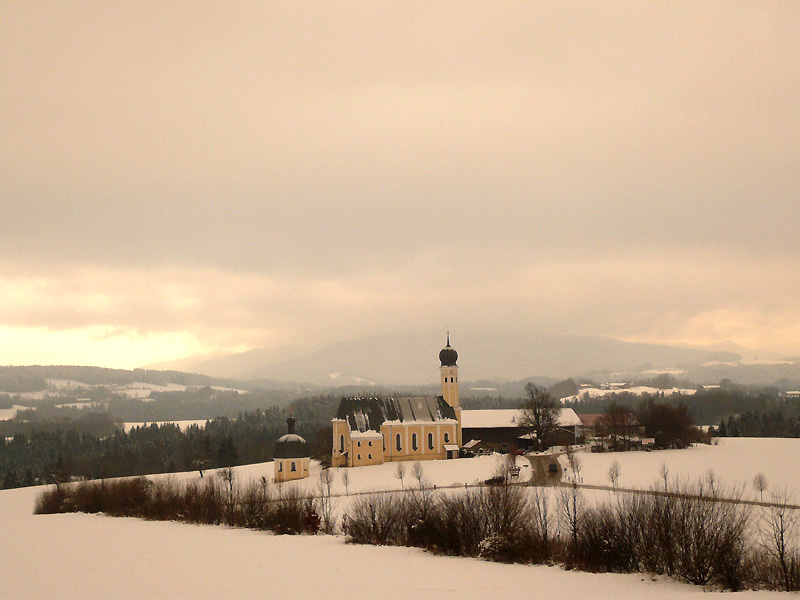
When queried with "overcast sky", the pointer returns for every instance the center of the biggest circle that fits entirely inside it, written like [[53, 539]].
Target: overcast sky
[[192, 177]]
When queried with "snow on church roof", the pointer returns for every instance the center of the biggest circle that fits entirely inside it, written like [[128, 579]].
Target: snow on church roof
[[509, 417], [368, 414]]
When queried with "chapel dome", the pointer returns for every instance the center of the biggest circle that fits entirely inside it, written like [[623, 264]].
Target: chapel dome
[[291, 445]]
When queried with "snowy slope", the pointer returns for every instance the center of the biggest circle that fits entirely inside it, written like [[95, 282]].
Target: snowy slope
[[88, 557]]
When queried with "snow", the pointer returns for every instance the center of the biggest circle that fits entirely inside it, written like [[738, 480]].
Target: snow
[[735, 461], [141, 390], [370, 434], [87, 557], [60, 384], [635, 390], [82, 404], [10, 413]]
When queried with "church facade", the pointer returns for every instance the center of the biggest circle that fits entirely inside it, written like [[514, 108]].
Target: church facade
[[375, 430]]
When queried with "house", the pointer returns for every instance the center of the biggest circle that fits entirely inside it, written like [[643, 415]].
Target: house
[[500, 429], [375, 430]]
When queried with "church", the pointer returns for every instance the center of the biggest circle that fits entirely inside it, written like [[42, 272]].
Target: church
[[372, 431]]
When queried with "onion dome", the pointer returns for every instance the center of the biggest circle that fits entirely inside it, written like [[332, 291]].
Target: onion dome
[[448, 356], [291, 445]]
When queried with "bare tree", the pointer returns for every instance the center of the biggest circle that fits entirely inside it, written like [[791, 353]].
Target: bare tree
[[419, 474], [780, 531], [571, 510], [400, 473], [346, 481], [575, 465], [539, 414], [200, 465], [663, 474], [613, 473], [540, 509], [228, 475], [760, 483], [711, 479], [326, 503], [619, 422]]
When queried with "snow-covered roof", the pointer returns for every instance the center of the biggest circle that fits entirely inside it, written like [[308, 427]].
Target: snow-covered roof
[[364, 414], [370, 434], [509, 417]]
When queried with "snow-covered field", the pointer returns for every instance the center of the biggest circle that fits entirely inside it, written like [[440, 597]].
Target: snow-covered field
[[9, 413], [735, 461], [77, 556]]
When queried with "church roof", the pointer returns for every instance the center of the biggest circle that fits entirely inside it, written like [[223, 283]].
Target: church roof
[[368, 414]]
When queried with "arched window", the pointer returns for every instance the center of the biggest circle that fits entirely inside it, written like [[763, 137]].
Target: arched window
[[280, 467], [341, 443], [397, 439], [430, 441], [413, 441], [294, 467], [446, 437], [369, 456]]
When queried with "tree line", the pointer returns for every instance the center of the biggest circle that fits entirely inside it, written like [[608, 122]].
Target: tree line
[[773, 423], [55, 454]]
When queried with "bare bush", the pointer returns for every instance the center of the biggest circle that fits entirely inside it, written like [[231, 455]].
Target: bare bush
[[200, 501], [709, 535], [376, 519], [603, 542]]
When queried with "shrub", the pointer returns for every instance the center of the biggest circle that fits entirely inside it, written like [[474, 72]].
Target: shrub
[[203, 502]]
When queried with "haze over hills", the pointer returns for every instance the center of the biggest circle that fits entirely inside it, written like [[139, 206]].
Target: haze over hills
[[412, 359]]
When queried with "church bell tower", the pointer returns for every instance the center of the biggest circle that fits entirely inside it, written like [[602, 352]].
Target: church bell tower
[[449, 374], [448, 358]]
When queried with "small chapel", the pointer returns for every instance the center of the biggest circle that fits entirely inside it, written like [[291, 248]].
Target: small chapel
[[375, 430], [291, 455]]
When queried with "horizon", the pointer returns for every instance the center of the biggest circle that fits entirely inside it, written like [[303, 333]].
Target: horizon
[[189, 179]]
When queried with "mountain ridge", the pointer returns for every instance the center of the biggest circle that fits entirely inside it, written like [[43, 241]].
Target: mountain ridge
[[411, 359]]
